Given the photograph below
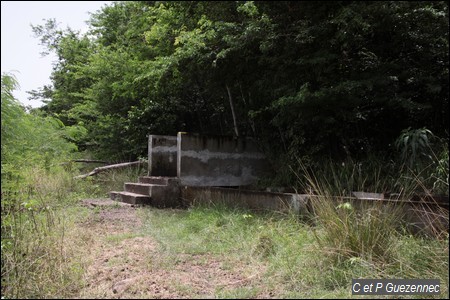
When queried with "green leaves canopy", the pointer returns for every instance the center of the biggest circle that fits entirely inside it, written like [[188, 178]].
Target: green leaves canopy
[[307, 78]]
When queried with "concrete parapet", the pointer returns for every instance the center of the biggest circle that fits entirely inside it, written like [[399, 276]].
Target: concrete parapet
[[219, 161], [162, 155], [254, 200]]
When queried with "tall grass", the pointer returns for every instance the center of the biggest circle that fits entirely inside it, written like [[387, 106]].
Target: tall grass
[[347, 228], [42, 255], [372, 239], [41, 250], [114, 180], [38, 259], [343, 239]]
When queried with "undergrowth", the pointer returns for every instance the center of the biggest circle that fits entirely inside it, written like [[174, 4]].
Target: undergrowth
[[299, 260], [41, 248]]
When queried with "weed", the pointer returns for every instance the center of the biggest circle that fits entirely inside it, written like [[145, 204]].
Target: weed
[[117, 238], [42, 250], [237, 293]]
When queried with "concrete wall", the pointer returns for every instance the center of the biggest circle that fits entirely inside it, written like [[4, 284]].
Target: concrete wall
[[219, 161], [162, 155], [419, 218], [248, 199]]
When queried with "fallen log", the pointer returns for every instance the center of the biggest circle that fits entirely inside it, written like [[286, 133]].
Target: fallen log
[[90, 161], [109, 167]]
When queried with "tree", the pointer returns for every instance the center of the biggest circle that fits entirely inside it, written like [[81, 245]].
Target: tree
[[337, 79], [29, 138]]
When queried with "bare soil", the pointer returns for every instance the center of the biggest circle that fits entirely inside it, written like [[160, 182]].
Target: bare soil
[[123, 263]]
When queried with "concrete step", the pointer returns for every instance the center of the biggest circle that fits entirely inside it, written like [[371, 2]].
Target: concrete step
[[157, 191], [128, 197], [141, 188], [158, 180]]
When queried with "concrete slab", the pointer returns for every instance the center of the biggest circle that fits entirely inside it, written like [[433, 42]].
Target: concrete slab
[[368, 196]]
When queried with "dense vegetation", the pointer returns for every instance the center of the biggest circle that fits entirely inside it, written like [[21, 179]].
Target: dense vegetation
[[309, 80], [40, 248], [34, 187], [341, 96]]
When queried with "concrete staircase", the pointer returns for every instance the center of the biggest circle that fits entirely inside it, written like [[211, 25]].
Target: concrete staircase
[[150, 190]]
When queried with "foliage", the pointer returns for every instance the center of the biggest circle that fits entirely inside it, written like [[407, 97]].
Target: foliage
[[439, 175], [21, 141], [426, 159], [309, 79], [414, 146], [34, 188]]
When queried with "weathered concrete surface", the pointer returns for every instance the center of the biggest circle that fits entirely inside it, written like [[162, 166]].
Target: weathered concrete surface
[[254, 200], [131, 198], [219, 161], [427, 219], [419, 217], [162, 155], [164, 193], [368, 196]]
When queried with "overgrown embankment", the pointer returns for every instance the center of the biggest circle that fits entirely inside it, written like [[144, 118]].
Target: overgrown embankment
[[119, 251], [52, 246]]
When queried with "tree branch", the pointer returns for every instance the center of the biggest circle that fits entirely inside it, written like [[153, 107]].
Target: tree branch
[[109, 167], [90, 161]]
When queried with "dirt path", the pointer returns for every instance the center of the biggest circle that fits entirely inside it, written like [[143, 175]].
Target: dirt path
[[125, 264]]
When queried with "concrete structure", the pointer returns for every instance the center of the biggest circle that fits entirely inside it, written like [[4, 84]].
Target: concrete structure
[[205, 160], [193, 160], [248, 199], [189, 169], [151, 190], [162, 155], [219, 161]]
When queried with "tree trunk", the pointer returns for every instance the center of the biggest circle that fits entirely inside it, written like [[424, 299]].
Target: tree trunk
[[236, 131]]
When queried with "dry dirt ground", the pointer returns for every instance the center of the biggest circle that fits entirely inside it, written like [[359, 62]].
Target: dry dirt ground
[[123, 263]]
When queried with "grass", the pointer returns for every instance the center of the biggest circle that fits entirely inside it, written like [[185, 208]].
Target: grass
[[275, 255], [234, 236], [297, 260], [42, 251], [340, 241], [373, 239]]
